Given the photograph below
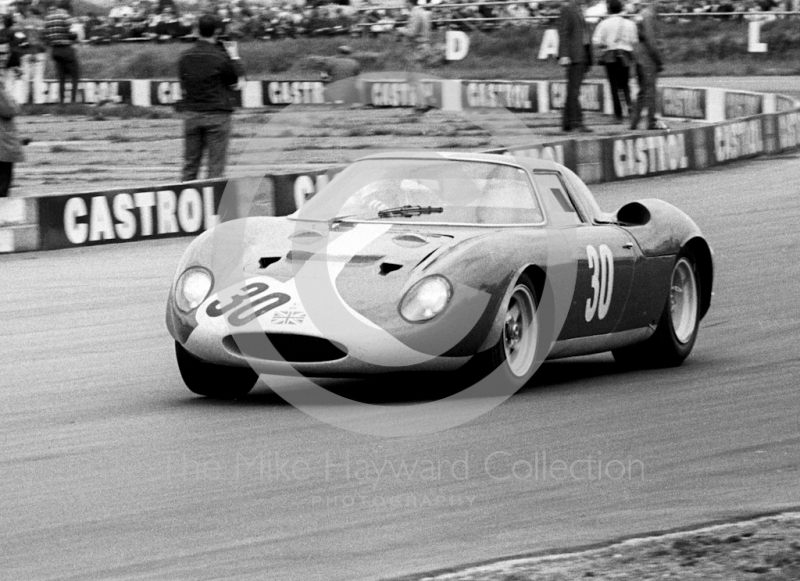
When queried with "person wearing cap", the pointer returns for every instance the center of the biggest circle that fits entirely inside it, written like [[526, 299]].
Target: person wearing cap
[[340, 73], [60, 38], [208, 75]]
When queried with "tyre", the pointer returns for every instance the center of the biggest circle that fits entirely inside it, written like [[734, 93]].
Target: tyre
[[513, 359], [677, 327], [214, 381]]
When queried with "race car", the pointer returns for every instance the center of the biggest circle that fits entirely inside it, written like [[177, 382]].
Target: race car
[[481, 264]]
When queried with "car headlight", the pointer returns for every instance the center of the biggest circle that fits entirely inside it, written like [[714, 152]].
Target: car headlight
[[193, 287], [426, 299]]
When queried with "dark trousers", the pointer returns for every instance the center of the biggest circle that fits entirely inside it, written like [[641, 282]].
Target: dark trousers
[[573, 114], [66, 61], [619, 81], [646, 75], [6, 174], [205, 132]]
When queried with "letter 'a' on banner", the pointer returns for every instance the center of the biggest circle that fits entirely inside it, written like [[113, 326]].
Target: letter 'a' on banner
[[456, 45], [549, 46], [754, 43]]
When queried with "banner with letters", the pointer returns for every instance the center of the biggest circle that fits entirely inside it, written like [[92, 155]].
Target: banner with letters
[[739, 105], [401, 93], [737, 139], [293, 92], [633, 156], [682, 102], [105, 217], [513, 95], [91, 92], [788, 129], [591, 97]]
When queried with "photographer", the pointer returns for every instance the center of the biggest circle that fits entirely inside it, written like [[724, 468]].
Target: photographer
[[208, 75]]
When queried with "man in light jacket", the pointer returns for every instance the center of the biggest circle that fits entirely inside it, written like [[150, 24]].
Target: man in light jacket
[[615, 37]]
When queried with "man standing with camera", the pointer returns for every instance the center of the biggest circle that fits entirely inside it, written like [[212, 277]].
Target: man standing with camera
[[208, 77]]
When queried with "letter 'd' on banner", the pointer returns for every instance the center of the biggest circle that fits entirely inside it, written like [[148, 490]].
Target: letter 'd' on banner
[[456, 45]]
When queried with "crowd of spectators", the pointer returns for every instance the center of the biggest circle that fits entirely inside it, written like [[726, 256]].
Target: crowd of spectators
[[162, 20]]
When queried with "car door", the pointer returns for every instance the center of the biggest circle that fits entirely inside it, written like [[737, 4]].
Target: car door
[[606, 258]]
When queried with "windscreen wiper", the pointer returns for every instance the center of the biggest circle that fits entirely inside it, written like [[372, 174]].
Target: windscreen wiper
[[407, 211]]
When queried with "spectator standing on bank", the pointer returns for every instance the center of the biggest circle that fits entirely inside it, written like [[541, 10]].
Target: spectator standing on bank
[[648, 64], [574, 54], [615, 37], [31, 24], [60, 38], [418, 31], [208, 75], [10, 146]]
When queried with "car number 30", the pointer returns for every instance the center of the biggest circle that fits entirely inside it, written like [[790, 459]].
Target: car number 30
[[246, 303], [601, 263]]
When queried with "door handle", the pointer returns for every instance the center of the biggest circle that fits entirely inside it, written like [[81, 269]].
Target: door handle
[[628, 245]]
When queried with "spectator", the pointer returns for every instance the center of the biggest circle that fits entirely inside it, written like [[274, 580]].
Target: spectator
[[10, 146], [207, 74], [576, 57], [60, 39], [648, 64], [615, 38], [418, 30], [31, 24]]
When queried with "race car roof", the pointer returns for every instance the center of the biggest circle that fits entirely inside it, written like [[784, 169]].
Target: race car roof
[[525, 162]]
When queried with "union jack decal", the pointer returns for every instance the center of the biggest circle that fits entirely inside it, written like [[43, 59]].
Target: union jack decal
[[289, 317]]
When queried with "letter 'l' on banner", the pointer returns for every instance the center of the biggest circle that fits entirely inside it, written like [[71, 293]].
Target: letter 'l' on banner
[[754, 43]]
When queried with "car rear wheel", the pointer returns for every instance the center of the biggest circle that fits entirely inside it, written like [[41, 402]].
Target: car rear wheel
[[676, 332], [214, 381]]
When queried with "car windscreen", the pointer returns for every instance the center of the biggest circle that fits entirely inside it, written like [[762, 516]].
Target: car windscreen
[[436, 190]]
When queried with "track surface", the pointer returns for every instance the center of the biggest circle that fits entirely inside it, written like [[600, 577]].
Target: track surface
[[112, 470]]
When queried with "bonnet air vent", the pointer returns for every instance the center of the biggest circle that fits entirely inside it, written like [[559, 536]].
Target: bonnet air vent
[[305, 236], [387, 267], [409, 240], [265, 261]]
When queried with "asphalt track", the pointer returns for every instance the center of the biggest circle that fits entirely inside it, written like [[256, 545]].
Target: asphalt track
[[111, 469]]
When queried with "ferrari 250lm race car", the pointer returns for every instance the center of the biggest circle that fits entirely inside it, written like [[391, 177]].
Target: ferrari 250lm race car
[[432, 262]]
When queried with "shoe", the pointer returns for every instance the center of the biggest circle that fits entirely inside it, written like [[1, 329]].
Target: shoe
[[584, 129]]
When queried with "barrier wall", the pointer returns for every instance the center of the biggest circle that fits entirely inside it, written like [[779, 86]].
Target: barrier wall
[[747, 124]]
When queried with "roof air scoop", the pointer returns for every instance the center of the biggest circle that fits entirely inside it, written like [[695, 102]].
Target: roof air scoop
[[633, 214]]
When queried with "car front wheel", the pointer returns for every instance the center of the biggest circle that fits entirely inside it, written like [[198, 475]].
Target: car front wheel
[[214, 381], [513, 359]]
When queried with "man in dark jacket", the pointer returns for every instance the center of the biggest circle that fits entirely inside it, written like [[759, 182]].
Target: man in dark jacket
[[574, 55], [208, 75], [649, 63]]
